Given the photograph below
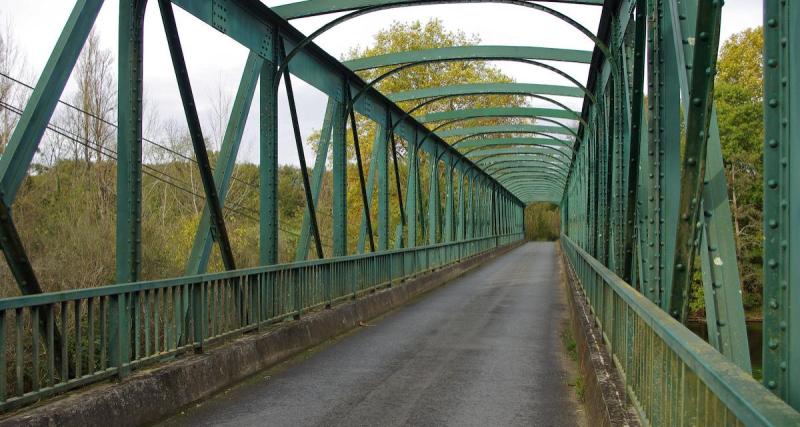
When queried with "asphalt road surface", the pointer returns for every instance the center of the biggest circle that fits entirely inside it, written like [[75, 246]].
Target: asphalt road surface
[[484, 350]]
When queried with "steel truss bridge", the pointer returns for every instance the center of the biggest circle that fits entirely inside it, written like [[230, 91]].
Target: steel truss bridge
[[643, 202]]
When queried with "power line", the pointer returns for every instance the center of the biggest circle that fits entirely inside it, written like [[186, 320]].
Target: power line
[[114, 125], [146, 169]]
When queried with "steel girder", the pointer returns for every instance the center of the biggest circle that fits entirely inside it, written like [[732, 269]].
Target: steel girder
[[492, 142], [572, 114], [306, 8], [781, 310], [488, 89], [531, 112], [251, 23], [520, 128], [480, 52]]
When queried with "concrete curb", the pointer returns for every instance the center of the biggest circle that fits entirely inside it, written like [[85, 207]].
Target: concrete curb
[[150, 395], [604, 391]]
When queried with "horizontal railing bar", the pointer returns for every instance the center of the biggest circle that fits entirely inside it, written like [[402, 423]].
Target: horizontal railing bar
[[110, 290], [749, 401]]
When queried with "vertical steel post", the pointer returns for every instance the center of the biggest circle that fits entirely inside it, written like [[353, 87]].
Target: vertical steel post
[[433, 199], [381, 147], [339, 160], [268, 160], [781, 203], [460, 231], [449, 202], [129, 141], [411, 194]]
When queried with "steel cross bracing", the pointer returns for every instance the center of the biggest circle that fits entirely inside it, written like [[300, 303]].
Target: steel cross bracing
[[639, 201]]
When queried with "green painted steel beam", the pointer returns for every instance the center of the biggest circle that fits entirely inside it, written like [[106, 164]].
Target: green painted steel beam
[[24, 141], [22, 145], [515, 183], [701, 91], [517, 141], [223, 172], [470, 52], [781, 347], [532, 112], [488, 88], [217, 223], [530, 164], [252, 24], [521, 153], [529, 172], [129, 143], [268, 162], [520, 128], [339, 178], [572, 114], [303, 9]]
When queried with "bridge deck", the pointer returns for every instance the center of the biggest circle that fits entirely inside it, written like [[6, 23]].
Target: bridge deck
[[484, 350]]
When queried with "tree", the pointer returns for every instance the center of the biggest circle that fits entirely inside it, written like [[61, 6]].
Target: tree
[[96, 96], [12, 65], [417, 35], [739, 99]]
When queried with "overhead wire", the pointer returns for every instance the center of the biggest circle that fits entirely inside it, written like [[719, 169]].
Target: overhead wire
[[151, 171]]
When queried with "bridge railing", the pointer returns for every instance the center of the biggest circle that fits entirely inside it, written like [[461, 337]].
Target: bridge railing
[[59, 341], [671, 375]]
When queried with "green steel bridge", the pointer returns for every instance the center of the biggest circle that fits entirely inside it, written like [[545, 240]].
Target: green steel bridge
[[637, 172]]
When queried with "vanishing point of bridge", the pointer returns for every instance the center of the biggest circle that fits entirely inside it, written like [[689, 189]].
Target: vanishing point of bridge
[[637, 172]]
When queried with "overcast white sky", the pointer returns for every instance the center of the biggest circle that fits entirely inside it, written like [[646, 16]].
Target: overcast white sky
[[215, 62]]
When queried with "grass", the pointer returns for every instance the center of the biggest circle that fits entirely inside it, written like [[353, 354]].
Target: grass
[[571, 347]]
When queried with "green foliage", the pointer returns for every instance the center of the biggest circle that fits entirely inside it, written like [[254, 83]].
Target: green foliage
[[739, 97], [402, 37], [542, 221]]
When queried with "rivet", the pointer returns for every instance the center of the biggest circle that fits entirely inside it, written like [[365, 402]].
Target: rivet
[[773, 143]]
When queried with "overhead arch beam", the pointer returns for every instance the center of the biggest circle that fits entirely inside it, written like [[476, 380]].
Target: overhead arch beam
[[574, 115], [472, 137], [516, 185], [494, 142], [547, 150], [530, 171], [503, 166], [532, 112], [520, 128], [470, 52], [529, 178], [304, 9], [570, 130], [487, 89], [528, 188], [521, 152], [539, 64]]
